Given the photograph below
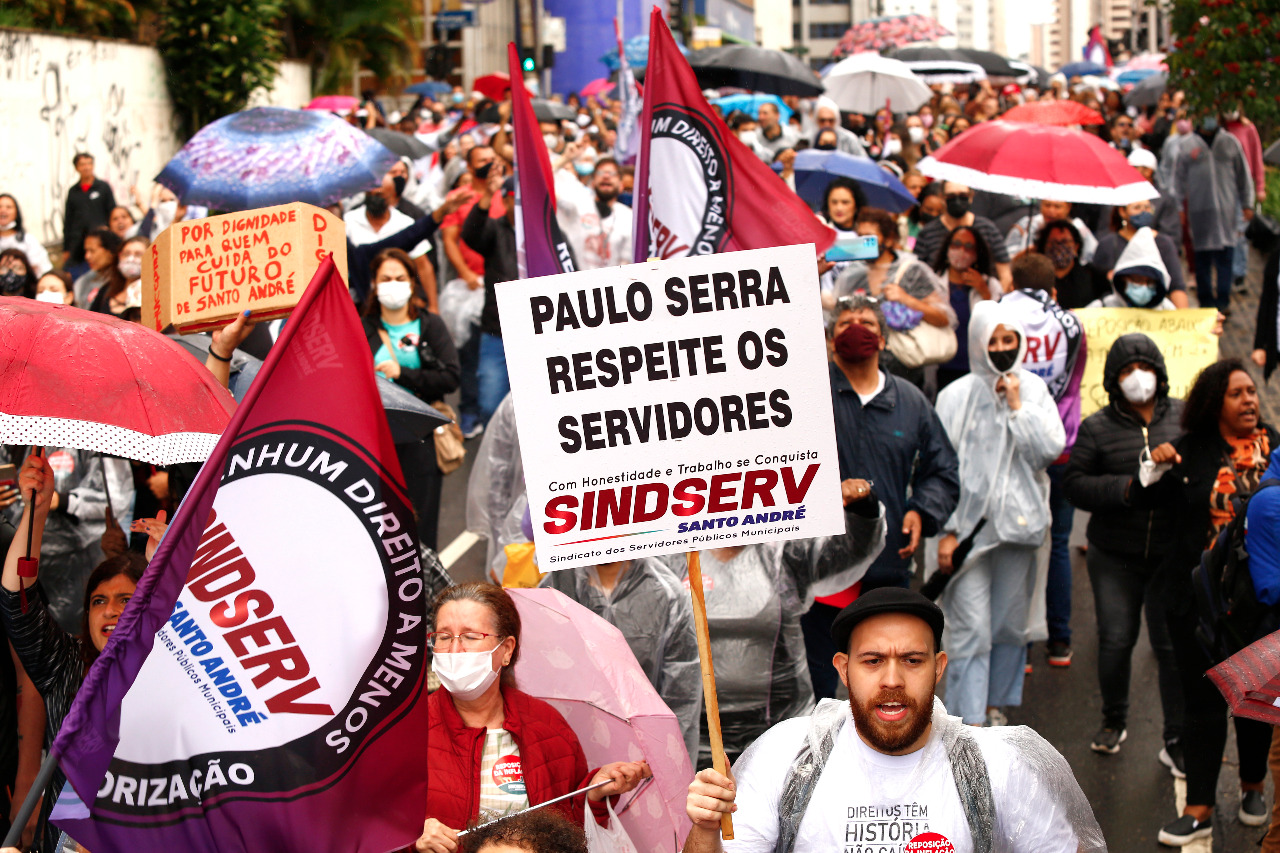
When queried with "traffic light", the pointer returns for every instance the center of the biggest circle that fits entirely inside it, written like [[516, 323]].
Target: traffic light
[[529, 60], [528, 64]]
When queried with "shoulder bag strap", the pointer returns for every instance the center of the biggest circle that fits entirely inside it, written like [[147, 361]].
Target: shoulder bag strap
[[973, 784]]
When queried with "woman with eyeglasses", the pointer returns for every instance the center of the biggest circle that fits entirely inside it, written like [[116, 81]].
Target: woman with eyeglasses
[[964, 263], [493, 750]]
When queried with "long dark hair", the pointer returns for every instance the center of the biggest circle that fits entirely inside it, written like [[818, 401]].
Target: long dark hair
[[498, 601], [1042, 239], [17, 216], [1204, 400], [372, 308], [111, 243], [130, 563], [859, 197], [982, 264]]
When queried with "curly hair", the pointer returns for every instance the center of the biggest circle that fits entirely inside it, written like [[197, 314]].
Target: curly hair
[[1204, 400], [541, 831]]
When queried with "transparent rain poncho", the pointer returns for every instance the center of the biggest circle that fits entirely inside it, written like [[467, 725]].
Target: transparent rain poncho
[[1003, 454], [653, 610], [1015, 789], [496, 499], [755, 599]]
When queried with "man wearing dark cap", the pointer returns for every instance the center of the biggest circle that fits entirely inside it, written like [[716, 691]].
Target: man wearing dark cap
[[891, 766]]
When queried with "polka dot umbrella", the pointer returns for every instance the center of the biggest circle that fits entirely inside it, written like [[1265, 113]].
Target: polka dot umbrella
[[73, 378]]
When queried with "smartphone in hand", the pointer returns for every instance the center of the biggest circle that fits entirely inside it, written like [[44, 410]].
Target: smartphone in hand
[[854, 247]]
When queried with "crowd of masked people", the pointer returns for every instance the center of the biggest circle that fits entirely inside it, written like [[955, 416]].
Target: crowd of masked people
[[955, 371]]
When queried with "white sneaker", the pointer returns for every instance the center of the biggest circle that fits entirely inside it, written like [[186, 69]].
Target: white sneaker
[[996, 717]]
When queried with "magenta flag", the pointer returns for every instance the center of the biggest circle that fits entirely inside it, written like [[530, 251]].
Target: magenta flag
[[698, 189], [540, 245], [261, 690]]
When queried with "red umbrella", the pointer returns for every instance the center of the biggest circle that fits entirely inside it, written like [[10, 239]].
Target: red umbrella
[[596, 87], [74, 378], [333, 103], [1038, 161], [1062, 113], [493, 86], [1250, 680]]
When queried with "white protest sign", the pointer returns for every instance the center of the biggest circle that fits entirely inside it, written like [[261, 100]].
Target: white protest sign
[[673, 406]]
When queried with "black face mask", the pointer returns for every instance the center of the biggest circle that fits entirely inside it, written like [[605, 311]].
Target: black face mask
[[376, 205], [926, 218], [399, 181], [957, 206], [825, 146], [12, 282], [483, 172], [1004, 360]]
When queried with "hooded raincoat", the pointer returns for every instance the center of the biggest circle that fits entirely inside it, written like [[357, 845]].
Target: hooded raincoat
[[755, 596], [1003, 456], [496, 499], [1213, 179], [653, 610], [1140, 257]]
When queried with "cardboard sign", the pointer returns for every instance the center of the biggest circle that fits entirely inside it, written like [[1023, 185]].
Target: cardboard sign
[[673, 406], [199, 274], [1184, 337]]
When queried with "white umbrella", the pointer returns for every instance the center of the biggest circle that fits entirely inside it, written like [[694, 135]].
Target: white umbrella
[[942, 71], [865, 81]]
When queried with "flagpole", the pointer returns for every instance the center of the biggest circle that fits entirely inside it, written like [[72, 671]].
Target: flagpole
[[567, 796], [29, 804], [718, 758]]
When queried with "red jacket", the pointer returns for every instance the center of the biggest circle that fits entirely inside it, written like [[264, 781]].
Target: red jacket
[[551, 757]]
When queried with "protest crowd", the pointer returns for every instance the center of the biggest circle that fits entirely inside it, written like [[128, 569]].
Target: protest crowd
[[969, 444]]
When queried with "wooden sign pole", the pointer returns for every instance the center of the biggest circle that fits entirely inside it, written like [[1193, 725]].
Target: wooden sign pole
[[718, 760]]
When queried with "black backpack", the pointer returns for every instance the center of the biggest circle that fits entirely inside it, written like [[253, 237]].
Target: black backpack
[[1230, 616]]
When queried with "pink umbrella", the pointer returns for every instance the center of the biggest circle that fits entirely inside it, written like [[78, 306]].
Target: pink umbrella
[[596, 88], [333, 103], [582, 666], [1038, 161]]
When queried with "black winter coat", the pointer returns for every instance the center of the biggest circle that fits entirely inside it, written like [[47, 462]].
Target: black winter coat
[[495, 241], [1104, 461], [84, 212], [440, 367], [1264, 336]]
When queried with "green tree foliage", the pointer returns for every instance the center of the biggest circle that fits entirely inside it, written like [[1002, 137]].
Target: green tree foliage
[[1225, 54], [216, 53], [78, 17], [338, 36]]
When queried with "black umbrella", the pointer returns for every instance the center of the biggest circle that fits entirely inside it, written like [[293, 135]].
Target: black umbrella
[[929, 53], [410, 419], [1146, 93], [402, 144], [544, 110], [993, 63], [756, 69]]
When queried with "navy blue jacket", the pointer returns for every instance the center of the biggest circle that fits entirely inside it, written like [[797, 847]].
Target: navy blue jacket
[[897, 442]]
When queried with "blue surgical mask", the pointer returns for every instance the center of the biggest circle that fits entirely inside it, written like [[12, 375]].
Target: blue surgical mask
[[1140, 295], [458, 97], [1210, 124], [584, 169], [1143, 219]]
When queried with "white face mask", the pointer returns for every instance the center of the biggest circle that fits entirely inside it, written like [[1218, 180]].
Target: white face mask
[[1139, 386], [394, 295], [130, 268], [893, 146], [748, 138], [52, 296], [466, 675], [165, 212], [916, 134], [551, 141]]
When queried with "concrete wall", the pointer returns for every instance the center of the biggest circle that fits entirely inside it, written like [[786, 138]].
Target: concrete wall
[[63, 95]]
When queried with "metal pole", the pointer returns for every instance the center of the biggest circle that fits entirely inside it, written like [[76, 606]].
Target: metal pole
[[41, 782], [544, 76]]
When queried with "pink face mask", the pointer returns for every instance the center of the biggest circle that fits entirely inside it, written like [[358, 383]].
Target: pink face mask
[[927, 120], [1183, 125]]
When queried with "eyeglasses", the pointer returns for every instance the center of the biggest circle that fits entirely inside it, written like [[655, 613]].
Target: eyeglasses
[[468, 640]]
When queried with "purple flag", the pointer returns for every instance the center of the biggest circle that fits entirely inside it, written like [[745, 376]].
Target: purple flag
[[540, 245], [627, 144], [260, 691]]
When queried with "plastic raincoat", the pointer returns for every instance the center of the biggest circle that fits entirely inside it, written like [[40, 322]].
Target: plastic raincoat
[[1140, 257], [1003, 456], [755, 596], [71, 546], [496, 499], [653, 610]]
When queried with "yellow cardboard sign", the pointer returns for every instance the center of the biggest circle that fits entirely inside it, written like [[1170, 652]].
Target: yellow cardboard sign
[[1184, 337]]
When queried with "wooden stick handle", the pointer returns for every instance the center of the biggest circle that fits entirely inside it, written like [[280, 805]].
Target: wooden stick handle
[[718, 759]]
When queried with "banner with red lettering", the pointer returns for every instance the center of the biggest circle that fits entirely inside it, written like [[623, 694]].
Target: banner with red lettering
[[706, 191], [261, 690]]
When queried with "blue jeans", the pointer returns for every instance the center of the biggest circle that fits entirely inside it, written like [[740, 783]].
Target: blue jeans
[[1058, 591], [491, 375], [1207, 261], [468, 382]]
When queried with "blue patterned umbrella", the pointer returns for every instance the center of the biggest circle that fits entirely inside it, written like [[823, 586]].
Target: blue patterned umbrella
[[270, 155]]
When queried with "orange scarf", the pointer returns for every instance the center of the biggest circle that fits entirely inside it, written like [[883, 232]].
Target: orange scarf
[[1239, 475]]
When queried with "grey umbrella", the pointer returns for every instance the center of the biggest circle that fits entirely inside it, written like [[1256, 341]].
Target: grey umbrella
[[544, 110], [1146, 93], [402, 144], [410, 419], [1272, 155]]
